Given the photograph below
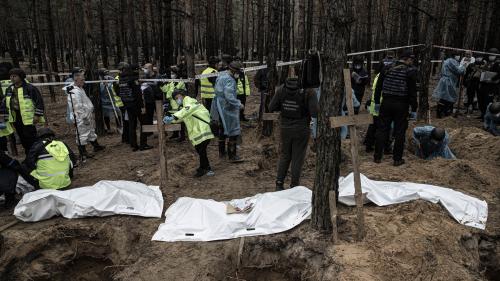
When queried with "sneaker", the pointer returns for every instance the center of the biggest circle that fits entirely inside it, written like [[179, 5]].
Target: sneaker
[[210, 173], [398, 162], [236, 159], [279, 186]]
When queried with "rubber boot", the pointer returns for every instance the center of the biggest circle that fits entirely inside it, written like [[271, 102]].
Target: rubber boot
[[10, 200], [279, 186], [222, 149], [83, 153], [232, 152], [97, 146]]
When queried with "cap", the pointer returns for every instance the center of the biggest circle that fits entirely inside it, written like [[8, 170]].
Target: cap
[[495, 107], [407, 54], [236, 65], [179, 92]]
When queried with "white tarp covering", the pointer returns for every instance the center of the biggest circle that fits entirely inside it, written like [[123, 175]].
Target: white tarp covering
[[190, 219], [465, 209], [105, 198]]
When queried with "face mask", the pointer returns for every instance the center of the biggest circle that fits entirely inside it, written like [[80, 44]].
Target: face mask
[[179, 101], [479, 59], [236, 76], [492, 58], [357, 66], [146, 71], [173, 76], [457, 57]]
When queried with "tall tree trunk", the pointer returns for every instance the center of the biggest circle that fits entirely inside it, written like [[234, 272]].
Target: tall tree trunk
[[309, 24], [286, 38], [38, 45], [211, 27], [260, 32], [369, 36], [91, 65], [267, 127], [132, 32], [10, 33], [104, 35], [328, 155], [188, 44], [228, 28]]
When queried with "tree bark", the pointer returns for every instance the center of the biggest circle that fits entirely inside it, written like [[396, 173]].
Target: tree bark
[[188, 45], [132, 33], [228, 28], [328, 140], [260, 32], [104, 44], [91, 66], [10, 33], [267, 127]]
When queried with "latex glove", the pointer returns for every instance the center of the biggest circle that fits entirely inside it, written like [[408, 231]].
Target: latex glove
[[377, 108], [242, 106], [3, 125], [413, 116], [168, 119]]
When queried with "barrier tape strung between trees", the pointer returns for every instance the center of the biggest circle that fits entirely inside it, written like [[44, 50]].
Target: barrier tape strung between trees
[[252, 68]]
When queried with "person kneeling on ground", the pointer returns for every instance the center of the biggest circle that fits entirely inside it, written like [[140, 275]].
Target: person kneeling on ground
[[50, 162], [297, 106], [9, 169], [197, 120], [492, 118], [431, 142]]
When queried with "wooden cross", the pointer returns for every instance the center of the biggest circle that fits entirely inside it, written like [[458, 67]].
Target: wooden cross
[[351, 121], [161, 129]]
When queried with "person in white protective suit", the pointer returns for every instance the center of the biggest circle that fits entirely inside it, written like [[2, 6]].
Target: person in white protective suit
[[82, 114]]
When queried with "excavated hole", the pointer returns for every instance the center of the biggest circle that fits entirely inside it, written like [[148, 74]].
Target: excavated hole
[[489, 255]]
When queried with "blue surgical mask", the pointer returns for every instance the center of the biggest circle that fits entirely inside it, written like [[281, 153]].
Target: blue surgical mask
[[179, 101]]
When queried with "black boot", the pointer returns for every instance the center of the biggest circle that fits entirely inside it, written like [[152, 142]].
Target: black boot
[[10, 200], [97, 146], [222, 149], [279, 186], [232, 152], [83, 152]]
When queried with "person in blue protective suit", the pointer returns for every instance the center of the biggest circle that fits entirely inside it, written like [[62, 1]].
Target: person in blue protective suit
[[431, 142], [492, 118], [446, 92], [226, 110]]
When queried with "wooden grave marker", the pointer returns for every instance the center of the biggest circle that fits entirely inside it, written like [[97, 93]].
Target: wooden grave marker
[[161, 129], [351, 121]]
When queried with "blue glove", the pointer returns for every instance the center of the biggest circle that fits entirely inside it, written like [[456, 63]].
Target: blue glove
[[377, 108], [3, 125], [168, 119], [413, 116]]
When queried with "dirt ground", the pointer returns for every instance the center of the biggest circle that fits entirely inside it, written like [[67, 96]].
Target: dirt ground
[[411, 241]]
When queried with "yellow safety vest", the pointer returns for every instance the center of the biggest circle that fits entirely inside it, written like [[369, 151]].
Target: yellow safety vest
[[168, 90], [371, 109], [197, 120], [26, 107], [52, 169], [4, 116], [206, 88], [117, 100], [240, 87]]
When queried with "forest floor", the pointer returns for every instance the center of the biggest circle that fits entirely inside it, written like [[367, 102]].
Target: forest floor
[[411, 241]]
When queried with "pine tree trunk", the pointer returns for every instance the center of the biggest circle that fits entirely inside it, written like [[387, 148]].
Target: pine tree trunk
[[188, 44], [104, 35], [10, 33], [286, 38], [260, 32], [328, 155], [228, 28], [91, 66], [132, 36], [267, 127]]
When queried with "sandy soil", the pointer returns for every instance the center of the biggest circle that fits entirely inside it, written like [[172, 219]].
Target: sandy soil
[[412, 241]]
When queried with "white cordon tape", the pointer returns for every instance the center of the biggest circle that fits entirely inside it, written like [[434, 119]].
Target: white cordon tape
[[68, 83], [465, 50], [381, 50]]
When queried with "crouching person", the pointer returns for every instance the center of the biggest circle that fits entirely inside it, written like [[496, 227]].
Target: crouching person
[[49, 162], [492, 118], [9, 169], [431, 142], [197, 120]]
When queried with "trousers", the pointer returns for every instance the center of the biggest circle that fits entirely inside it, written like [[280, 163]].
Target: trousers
[[293, 151], [397, 112]]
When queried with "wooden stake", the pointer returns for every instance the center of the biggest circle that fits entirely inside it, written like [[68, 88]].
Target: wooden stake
[[351, 121], [161, 144], [333, 214]]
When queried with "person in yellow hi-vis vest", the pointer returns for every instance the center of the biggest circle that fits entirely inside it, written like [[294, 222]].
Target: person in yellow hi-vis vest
[[25, 107], [207, 84], [170, 105], [6, 128], [242, 90], [50, 162]]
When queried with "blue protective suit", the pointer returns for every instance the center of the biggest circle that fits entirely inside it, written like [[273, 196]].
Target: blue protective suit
[[447, 87], [225, 105], [491, 122], [427, 149]]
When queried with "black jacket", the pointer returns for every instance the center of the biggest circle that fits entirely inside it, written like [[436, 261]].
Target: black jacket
[[30, 92], [310, 104], [38, 149], [398, 82], [129, 89]]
